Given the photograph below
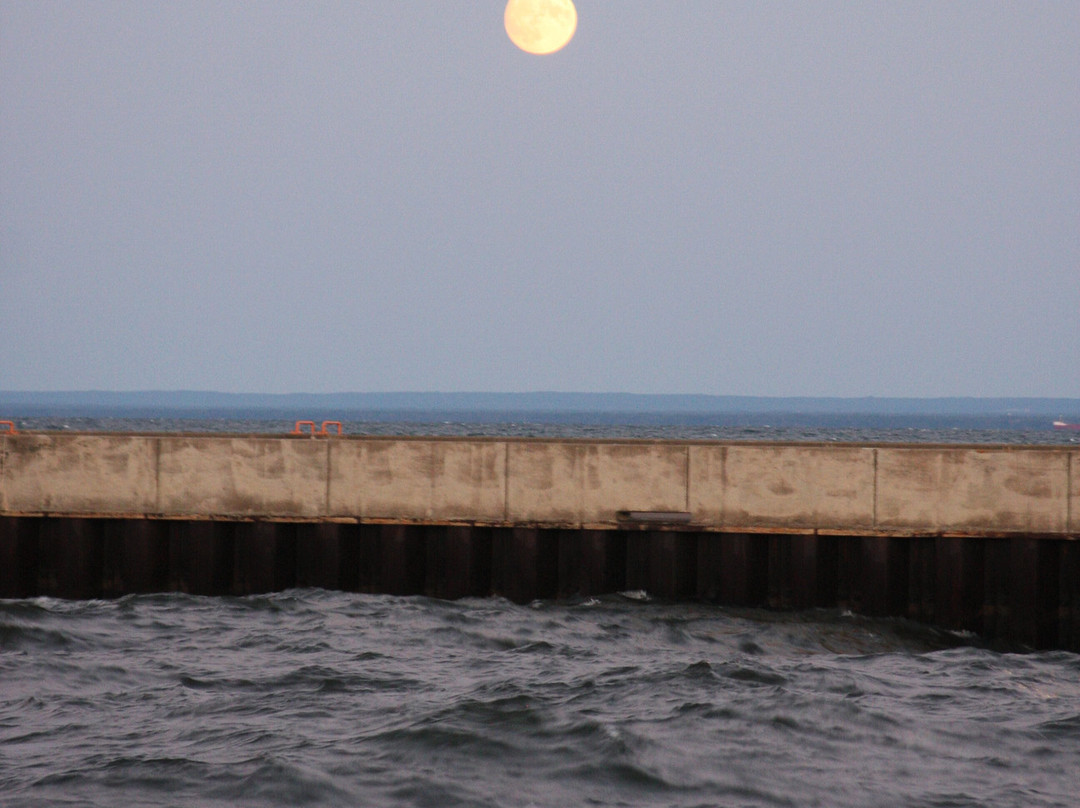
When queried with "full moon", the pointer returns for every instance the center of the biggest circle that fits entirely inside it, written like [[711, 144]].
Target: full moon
[[540, 26]]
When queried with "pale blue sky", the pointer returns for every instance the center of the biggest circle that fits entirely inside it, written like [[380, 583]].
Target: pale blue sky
[[744, 198]]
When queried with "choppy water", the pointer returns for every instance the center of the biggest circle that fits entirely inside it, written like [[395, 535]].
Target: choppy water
[[607, 427], [332, 699]]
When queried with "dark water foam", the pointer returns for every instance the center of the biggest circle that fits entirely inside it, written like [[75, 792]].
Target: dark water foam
[[316, 698]]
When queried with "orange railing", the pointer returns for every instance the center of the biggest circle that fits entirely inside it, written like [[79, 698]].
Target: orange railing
[[323, 432], [11, 430]]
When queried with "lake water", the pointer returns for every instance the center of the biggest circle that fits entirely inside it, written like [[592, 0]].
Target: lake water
[[319, 698], [656, 426]]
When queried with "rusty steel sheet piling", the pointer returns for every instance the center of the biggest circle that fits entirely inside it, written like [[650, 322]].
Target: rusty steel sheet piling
[[1022, 590], [969, 538]]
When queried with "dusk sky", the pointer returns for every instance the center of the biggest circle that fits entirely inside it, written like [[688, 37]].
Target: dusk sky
[[731, 198]]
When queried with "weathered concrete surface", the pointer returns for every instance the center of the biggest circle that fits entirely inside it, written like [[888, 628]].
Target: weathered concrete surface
[[783, 486], [564, 482], [973, 490], [422, 480], [891, 489], [241, 476], [77, 473]]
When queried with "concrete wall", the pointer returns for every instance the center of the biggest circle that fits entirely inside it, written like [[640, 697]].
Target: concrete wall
[[897, 489]]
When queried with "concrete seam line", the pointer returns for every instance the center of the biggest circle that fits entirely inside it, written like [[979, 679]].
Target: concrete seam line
[[874, 518], [1069, 527], [723, 485], [157, 475], [326, 503], [433, 485], [686, 478], [506, 481]]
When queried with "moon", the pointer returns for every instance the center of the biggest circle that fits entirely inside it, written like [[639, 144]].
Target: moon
[[540, 26]]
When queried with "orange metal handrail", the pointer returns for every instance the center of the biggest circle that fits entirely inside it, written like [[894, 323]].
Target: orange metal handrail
[[324, 432], [11, 430]]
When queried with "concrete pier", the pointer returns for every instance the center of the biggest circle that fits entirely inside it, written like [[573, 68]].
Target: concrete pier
[[980, 538]]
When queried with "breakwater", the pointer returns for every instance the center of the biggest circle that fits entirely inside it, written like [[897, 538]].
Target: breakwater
[[979, 538]]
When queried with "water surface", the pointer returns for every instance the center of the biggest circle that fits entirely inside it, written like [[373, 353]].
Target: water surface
[[319, 698]]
